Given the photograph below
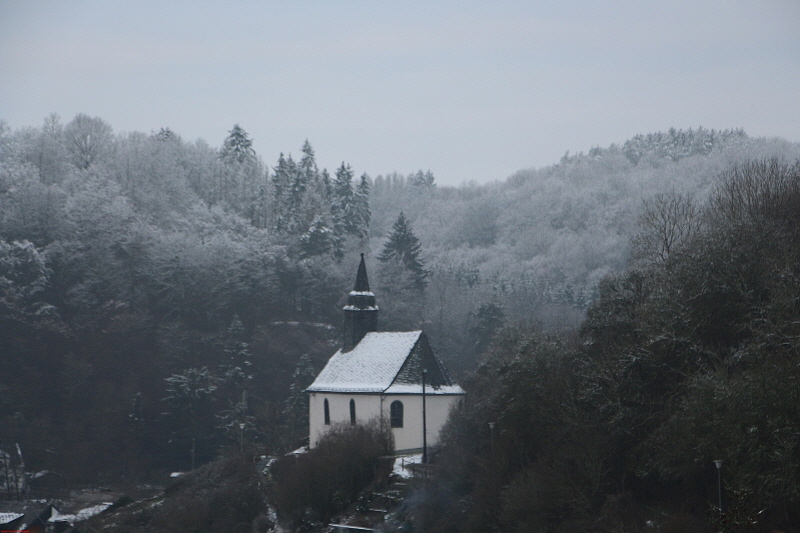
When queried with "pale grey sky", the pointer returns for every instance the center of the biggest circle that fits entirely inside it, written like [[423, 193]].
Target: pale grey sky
[[469, 90]]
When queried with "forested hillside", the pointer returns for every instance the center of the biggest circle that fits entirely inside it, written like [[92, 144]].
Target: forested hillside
[[535, 246], [161, 299], [688, 356]]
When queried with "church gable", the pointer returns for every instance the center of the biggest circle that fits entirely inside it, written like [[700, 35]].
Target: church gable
[[422, 357]]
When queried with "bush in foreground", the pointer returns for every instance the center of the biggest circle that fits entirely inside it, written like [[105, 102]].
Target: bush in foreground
[[312, 487]]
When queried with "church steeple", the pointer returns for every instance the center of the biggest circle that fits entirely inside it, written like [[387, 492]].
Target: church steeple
[[361, 312]]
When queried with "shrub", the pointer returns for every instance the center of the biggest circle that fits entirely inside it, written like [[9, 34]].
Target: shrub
[[313, 486]]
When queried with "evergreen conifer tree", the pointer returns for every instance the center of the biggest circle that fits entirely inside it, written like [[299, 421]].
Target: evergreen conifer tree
[[237, 147], [308, 164], [318, 240], [326, 182], [282, 191], [362, 213], [403, 247], [344, 200], [422, 180]]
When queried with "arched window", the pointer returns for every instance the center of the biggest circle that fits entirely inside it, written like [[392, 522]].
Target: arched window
[[327, 413], [353, 412], [396, 414]]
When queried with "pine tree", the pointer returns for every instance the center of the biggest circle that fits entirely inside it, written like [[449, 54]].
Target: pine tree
[[308, 164], [237, 146], [295, 411], [282, 191], [422, 180], [166, 134], [343, 208], [297, 193], [325, 177], [403, 247], [318, 240], [241, 177], [344, 200], [362, 213], [315, 209]]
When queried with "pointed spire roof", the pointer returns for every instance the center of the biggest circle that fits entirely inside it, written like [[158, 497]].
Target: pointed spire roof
[[361, 311], [361, 298], [362, 283]]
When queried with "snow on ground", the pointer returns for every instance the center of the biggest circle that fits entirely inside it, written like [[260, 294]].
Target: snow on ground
[[401, 464]]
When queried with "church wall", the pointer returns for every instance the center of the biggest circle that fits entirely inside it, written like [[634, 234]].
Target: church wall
[[369, 406], [437, 409]]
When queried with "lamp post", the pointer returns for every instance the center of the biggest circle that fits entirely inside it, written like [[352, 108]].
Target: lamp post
[[241, 436], [424, 421], [491, 430], [718, 462]]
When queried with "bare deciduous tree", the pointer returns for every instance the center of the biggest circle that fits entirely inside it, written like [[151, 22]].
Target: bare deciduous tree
[[669, 220]]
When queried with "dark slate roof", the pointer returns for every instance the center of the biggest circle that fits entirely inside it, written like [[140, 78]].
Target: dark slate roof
[[387, 363]]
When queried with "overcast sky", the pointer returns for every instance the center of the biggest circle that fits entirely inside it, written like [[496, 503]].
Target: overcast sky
[[469, 90]]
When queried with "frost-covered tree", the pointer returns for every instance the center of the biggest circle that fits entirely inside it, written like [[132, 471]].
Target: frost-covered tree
[[363, 215], [349, 204], [308, 164], [242, 179], [344, 209], [23, 280], [403, 247], [283, 187], [678, 144], [49, 156], [237, 147], [87, 140], [327, 183], [422, 180], [318, 240]]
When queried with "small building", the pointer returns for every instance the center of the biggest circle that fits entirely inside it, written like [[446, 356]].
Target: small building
[[12, 521], [27, 516], [393, 376]]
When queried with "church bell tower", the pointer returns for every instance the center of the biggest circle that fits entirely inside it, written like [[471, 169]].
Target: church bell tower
[[361, 312]]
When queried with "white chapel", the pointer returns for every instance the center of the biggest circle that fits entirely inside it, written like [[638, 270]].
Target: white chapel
[[395, 376]]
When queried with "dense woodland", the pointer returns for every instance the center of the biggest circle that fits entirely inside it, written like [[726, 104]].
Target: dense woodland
[[612, 313], [688, 356]]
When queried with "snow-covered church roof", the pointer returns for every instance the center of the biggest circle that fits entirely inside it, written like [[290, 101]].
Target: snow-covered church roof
[[386, 363]]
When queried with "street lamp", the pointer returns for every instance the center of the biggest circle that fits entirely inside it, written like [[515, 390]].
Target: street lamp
[[241, 436], [491, 430], [718, 462], [424, 421]]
